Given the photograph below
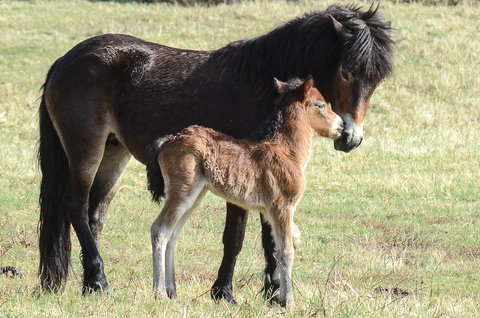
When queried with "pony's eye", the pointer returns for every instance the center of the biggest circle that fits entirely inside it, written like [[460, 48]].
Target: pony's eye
[[320, 104], [345, 75]]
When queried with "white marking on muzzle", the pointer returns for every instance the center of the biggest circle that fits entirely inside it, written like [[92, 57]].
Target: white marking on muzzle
[[356, 131]]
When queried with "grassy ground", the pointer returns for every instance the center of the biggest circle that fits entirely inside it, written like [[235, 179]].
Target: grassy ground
[[401, 211]]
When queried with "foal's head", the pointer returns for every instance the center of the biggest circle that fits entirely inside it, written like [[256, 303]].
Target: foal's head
[[303, 97]]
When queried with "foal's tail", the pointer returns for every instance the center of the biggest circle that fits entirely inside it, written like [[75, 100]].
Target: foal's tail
[[156, 184], [53, 226]]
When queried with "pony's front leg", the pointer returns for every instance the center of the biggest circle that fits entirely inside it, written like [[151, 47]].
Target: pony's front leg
[[233, 236], [271, 280]]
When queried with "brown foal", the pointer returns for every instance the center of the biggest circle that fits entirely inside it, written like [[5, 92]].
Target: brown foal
[[265, 176]]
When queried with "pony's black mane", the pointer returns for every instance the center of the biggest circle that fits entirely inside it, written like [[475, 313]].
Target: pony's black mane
[[312, 38]]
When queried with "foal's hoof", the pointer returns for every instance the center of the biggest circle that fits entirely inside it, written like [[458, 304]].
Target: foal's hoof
[[222, 292], [285, 304], [271, 288], [172, 294], [99, 287]]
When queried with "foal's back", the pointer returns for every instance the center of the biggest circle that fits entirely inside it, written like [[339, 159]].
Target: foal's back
[[247, 173]]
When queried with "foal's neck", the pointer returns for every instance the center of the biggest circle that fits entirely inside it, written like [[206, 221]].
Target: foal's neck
[[295, 135]]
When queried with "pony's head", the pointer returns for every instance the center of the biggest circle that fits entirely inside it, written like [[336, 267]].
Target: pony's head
[[305, 98], [365, 58]]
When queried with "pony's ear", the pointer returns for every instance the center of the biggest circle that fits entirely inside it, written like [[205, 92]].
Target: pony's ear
[[342, 34], [280, 86], [303, 89]]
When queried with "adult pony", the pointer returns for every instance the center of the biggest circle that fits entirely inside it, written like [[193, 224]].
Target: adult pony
[[111, 96]]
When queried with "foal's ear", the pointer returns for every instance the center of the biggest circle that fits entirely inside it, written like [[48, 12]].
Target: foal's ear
[[342, 34], [303, 89], [280, 86]]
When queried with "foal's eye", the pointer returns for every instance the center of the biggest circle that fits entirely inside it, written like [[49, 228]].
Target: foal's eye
[[346, 76], [320, 104]]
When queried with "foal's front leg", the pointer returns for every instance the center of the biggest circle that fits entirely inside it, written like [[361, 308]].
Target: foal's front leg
[[272, 270], [282, 226]]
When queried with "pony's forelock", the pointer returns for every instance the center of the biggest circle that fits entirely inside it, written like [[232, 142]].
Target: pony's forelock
[[370, 50]]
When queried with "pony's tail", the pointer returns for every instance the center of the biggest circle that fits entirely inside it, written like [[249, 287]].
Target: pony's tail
[[53, 226], [156, 184]]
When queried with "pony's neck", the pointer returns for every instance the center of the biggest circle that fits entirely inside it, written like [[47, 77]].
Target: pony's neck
[[295, 136], [257, 61]]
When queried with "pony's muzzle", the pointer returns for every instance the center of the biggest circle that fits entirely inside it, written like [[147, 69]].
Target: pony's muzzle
[[348, 141], [351, 137]]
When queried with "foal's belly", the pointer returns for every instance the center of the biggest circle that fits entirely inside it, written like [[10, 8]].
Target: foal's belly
[[251, 200]]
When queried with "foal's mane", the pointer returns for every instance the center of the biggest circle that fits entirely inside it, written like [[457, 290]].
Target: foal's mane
[[275, 119]]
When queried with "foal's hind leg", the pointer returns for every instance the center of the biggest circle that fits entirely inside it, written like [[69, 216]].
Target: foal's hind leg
[[108, 177], [177, 206], [170, 251]]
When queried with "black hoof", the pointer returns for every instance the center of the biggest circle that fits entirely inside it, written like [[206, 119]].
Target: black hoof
[[275, 300], [99, 287], [94, 279], [271, 289], [172, 294], [222, 292]]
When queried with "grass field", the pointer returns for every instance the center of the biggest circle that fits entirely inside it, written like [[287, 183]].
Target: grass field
[[401, 211]]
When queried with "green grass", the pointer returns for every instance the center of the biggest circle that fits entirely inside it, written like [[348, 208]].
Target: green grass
[[403, 210]]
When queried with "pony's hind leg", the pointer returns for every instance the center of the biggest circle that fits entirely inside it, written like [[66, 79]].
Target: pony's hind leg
[[83, 165], [171, 287], [79, 99], [177, 204], [108, 177]]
